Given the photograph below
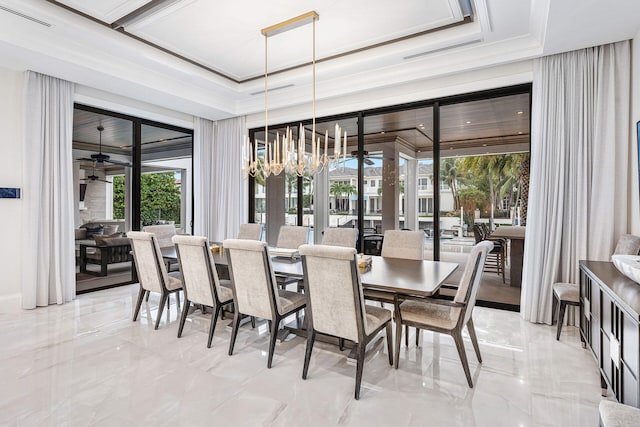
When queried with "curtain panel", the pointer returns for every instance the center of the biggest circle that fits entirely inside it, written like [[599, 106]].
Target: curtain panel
[[48, 268], [220, 187], [580, 145]]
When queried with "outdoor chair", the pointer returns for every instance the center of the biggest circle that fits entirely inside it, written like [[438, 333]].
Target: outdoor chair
[[200, 278], [336, 305], [448, 317], [255, 291], [152, 273], [496, 258]]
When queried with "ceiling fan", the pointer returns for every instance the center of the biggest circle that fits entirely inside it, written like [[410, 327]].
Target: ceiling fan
[[99, 159], [368, 157], [94, 177]]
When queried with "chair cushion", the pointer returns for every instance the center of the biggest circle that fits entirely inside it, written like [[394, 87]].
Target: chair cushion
[[429, 314], [376, 316], [175, 281], [567, 292], [614, 414], [289, 301]]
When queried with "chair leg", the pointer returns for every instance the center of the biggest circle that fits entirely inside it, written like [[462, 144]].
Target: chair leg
[[561, 310], [272, 340], [418, 332], [212, 326], [359, 368], [234, 331], [389, 333], [183, 317], [148, 295], [139, 303], [163, 300], [341, 344], [253, 322], [457, 337], [406, 335], [307, 355], [398, 341], [178, 300], [474, 338]]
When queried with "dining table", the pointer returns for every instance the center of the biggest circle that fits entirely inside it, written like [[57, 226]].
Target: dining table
[[405, 277]]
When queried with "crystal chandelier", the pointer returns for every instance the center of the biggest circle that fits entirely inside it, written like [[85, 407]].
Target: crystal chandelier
[[285, 153]]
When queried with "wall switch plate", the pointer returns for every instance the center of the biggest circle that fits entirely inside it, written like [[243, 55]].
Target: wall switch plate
[[9, 193]]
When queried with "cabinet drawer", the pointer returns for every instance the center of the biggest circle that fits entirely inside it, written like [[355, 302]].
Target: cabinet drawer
[[605, 359], [606, 315], [628, 387], [630, 343]]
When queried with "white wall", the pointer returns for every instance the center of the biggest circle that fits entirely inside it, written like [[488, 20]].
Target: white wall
[[11, 83], [634, 214]]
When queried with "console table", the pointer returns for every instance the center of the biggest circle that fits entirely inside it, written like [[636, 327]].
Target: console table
[[609, 325]]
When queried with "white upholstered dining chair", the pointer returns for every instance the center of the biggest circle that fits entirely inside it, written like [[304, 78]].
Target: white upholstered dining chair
[[336, 305], [448, 317], [200, 278], [399, 244], [152, 272], [336, 236], [250, 231], [255, 291], [291, 237]]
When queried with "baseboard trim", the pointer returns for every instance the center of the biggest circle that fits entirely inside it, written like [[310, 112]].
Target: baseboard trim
[[10, 303]]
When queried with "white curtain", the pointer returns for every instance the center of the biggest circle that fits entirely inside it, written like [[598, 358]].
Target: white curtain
[[221, 198], [579, 177], [202, 176], [48, 269]]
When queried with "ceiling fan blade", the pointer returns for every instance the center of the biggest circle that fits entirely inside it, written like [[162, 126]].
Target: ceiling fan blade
[[368, 161], [104, 180], [118, 162]]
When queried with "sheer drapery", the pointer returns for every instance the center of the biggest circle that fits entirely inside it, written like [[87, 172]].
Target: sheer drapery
[[220, 188], [203, 176], [49, 253], [578, 199]]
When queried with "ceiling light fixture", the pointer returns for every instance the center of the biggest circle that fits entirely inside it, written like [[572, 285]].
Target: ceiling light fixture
[[285, 153], [468, 122], [520, 112]]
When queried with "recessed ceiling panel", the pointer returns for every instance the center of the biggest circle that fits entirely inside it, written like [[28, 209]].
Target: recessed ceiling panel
[[225, 36], [105, 10]]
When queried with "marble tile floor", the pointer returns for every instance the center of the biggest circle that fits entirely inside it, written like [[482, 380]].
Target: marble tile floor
[[87, 364]]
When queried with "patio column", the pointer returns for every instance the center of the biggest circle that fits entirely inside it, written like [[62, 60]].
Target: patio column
[[274, 207], [390, 191], [411, 194]]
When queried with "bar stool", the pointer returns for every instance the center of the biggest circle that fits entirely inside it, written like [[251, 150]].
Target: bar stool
[[566, 294]]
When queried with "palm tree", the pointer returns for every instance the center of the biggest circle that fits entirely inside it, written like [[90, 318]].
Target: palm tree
[[336, 190], [450, 176]]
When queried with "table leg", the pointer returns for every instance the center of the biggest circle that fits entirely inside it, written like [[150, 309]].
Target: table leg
[[515, 259]]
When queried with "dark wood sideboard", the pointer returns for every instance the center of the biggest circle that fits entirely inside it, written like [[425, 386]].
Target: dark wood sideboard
[[609, 326]]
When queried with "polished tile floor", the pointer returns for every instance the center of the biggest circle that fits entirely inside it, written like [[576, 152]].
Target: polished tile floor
[[86, 364]]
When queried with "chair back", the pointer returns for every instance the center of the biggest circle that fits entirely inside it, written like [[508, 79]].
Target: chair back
[[345, 237], [199, 275], [164, 233], [334, 292], [292, 236], [250, 231], [152, 272], [471, 277], [403, 244], [252, 277], [628, 244]]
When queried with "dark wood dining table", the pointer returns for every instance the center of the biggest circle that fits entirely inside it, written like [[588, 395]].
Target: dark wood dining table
[[421, 278]]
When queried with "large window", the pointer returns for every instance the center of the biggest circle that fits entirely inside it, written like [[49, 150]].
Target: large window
[[421, 168]]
